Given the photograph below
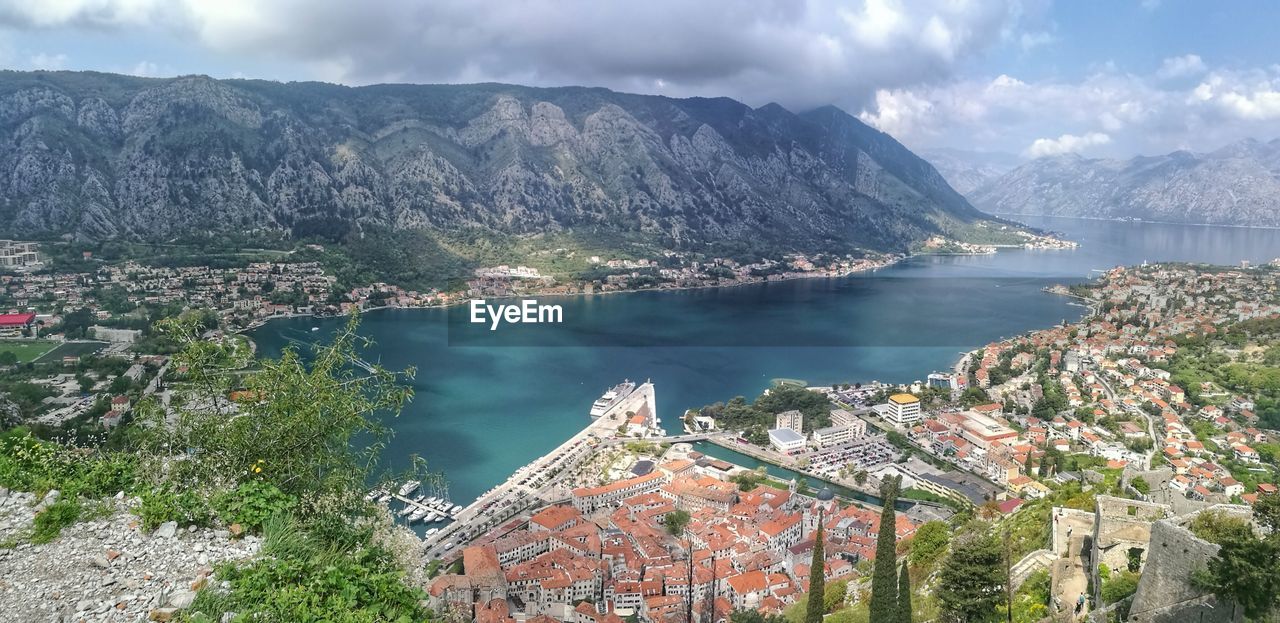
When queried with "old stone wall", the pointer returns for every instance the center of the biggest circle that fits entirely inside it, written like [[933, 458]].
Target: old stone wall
[[1165, 592]]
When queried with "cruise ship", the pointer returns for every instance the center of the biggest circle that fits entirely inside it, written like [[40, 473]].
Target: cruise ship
[[612, 398]]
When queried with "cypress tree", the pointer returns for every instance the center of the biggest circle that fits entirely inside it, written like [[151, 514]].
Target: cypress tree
[[817, 579], [884, 578], [904, 596]]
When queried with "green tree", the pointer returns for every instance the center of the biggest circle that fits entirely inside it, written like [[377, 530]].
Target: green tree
[[834, 595], [1266, 511], [884, 579], [929, 541], [675, 522], [754, 616], [1245, 570], [817, 578], [298, 429], [971, 582], [904, 596], [120, 385]]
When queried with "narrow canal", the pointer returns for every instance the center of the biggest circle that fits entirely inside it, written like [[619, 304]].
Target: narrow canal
[[785, 474]]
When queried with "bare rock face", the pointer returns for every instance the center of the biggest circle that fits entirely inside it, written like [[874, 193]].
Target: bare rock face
[[1236, 185], [101, 156]]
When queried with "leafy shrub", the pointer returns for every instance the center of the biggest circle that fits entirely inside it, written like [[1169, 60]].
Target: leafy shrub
[[29, 464], [1218, 527], [252, 503], [1031, 603], [929, 541], [164, 504], [1119, 586], [302, 577], [48, 523]]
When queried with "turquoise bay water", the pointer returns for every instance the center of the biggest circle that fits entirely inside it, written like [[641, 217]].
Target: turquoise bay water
[[489, 402]]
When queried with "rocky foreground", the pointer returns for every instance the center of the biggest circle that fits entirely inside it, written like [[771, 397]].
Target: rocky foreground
[[105, 569]]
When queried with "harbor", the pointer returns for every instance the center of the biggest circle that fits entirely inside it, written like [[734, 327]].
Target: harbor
[[541, 481], [424, 508]]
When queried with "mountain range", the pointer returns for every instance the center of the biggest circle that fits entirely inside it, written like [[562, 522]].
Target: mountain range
[[968, 170], [101, 156], [1236, 185]]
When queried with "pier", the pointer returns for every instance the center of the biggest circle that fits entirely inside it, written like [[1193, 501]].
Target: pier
[[532, 486], [420, 506]]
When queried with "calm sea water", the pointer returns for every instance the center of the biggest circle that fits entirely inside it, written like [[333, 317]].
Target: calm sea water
[[489, 402]]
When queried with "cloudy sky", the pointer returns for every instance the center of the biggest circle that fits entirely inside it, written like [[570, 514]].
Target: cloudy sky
[[1028, 77]]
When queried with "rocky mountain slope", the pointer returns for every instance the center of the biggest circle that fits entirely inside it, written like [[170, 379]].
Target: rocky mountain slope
[[1236, 185], [968, 170], [105, 569], [102, 156]]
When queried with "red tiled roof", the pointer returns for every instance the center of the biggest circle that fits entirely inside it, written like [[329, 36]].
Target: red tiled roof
[[16, 320]]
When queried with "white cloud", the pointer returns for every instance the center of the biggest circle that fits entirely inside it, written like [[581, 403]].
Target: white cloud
[[47, 61], [1138, 113], [801, 53], [1065, 144], [1181, 67], [897, 112], [1258, 105], [146, 69], [1032, 40]]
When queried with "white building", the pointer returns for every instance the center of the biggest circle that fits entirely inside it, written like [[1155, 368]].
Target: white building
[[790, 419], [840, 417], [786, 440], [902, 410], [834, 435], [945, 380], [16, 254]]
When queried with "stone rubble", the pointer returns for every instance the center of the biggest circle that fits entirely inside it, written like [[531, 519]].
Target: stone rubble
[[105, 569]]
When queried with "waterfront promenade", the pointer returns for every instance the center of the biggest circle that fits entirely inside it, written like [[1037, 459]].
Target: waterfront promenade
[[535, 484]]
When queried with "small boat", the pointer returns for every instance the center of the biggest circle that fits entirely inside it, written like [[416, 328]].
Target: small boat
[[384, 498], [432, 531], [409, 487], [408, 510], [457, 508], [442, 517], [431, 517], [315, 328], [418, 515]]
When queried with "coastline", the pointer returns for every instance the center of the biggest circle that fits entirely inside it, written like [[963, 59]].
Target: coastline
[[257, 323], [1136, 220], [897, 259]]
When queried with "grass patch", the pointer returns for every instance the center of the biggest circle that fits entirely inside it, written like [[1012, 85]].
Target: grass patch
[[71, 349], [49, 523], [778, 382], [303, 577], [26, 351]]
